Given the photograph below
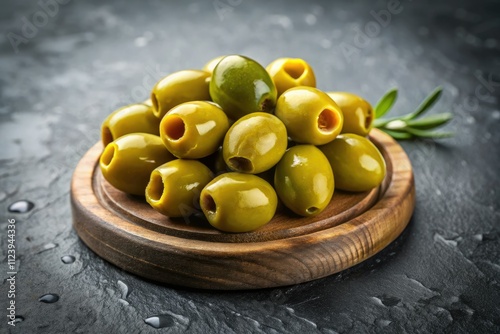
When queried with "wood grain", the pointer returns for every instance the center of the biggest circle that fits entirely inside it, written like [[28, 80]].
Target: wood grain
[[125, 231]]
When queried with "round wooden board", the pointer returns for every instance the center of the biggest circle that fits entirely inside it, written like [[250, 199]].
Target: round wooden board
[[127, 232]]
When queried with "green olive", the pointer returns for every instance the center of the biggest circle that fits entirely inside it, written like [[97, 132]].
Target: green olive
[[148, 102], [358, 113], [304, 180], [356, 162], [174, 188], [129, 119], [242, 86], [254, 143], [194, 130], [310, 115], [236, 202], [210, 66], [179, 87], [291, 72], [127, 162]]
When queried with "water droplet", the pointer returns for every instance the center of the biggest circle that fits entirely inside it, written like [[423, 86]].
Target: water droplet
[[18, 318], [495, 114], [310, 19], [67, 259], [49, 298], [124, 302], [124, 289], [478, 237], [21, 206], [160, 321]]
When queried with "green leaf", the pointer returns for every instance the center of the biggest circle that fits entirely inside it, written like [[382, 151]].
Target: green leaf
[[430, 122], [426, 104], [386, 102], [428, 134], [398, 135]]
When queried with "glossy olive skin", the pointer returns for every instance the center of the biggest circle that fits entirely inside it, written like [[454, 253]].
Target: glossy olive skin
[[210, 65], [291, 72], [310, 115], [356, 162], [254, 143], [174, 188], [358, 113], [236, 202], [129, 119], [242, 86], [304, 180], [127, 162], [179, 87], [194, 130]]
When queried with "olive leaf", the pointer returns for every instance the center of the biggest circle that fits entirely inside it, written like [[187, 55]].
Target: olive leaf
[[409, 126]]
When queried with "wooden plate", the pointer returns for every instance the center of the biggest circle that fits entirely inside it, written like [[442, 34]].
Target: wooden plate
[[128, 233]]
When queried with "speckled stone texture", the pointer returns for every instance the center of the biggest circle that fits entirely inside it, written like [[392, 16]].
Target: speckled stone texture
[[63, 71]]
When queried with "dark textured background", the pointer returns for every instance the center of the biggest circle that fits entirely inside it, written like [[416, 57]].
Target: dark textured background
[[91, 57]]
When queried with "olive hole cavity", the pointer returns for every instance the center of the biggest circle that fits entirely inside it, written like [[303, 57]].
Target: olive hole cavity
[[107, 155], [174, 127], [107, 136], [155, 187], [240, 164], [326, 121], [312, 210], [294, 69], [208, 204]]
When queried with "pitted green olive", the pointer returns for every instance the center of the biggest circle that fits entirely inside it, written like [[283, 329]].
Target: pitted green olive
[[129, 119], [356, 162], [358, 113], [242, 86], [304, 180], [310, 115], [127, 162], [179, 87], [254, 143], [194, 130], [174, 188], [236, 202], [291, 72]]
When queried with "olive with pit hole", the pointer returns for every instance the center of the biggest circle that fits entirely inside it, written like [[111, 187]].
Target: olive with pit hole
[[291, 72], [179, 87], [174, 188], [242, 86], [237, 202], [310, 115], [194, 130], [127, 162], [304, 180], [254, 143], [356, 162], [129, 119], [358, 113]]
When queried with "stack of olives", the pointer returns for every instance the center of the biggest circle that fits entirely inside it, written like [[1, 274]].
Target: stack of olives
[[235, 138]]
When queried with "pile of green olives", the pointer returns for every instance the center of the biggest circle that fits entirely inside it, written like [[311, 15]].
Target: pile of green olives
[[235, 139]]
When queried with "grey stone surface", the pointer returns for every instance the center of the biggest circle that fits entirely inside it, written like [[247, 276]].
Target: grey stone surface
[[59, 80]]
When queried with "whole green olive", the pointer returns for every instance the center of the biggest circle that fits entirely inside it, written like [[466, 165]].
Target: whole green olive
[[358, 113], [304, 180], [236, 202], [310, 115], [356, 162], [254, 143], [127, 162], [179, 87], [242, 86], [129, 119], [291, 72], [174, 188], [194, 130], [210, 66]]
